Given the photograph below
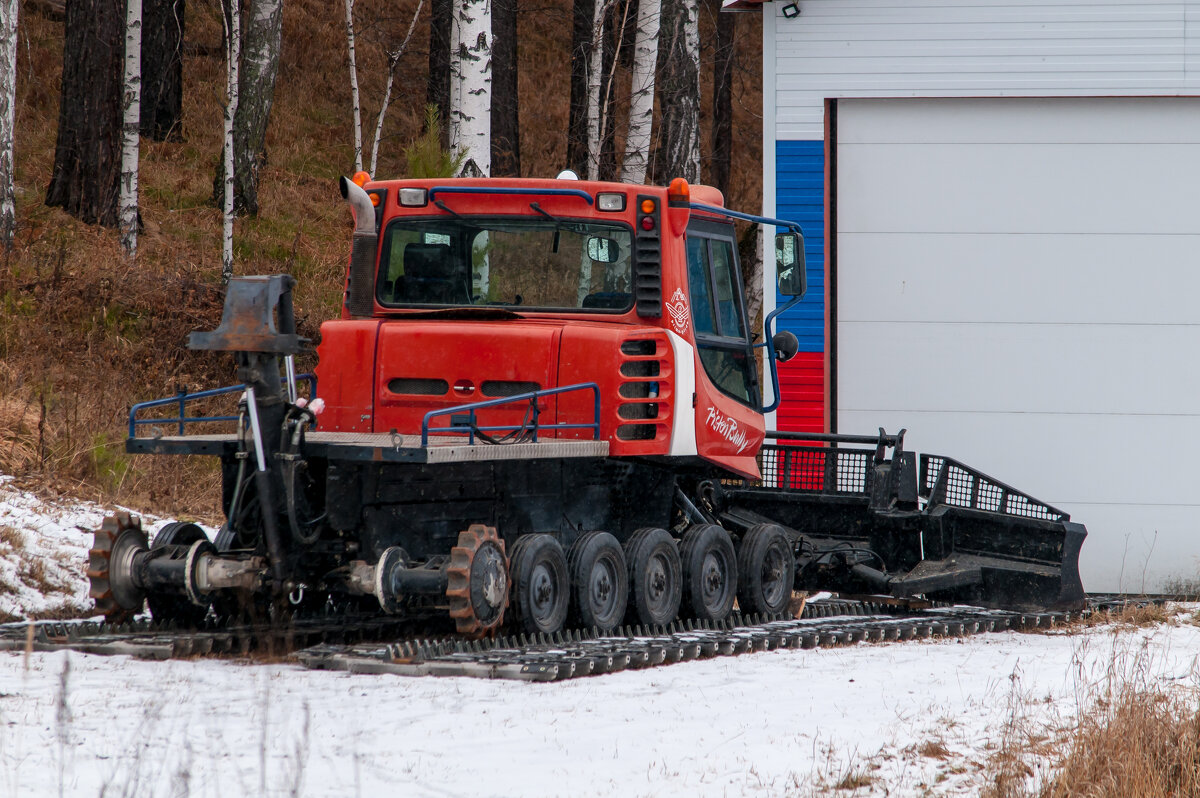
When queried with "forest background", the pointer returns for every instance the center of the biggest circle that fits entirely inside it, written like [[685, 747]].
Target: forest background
[[85, 331]]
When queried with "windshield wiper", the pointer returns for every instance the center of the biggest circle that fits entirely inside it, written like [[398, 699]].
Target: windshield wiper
[[543, 212], [442, 205], [558, 224]]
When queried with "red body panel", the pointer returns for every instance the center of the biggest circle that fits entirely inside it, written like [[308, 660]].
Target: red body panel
[[634, 368], [345, 374], [434, 365]]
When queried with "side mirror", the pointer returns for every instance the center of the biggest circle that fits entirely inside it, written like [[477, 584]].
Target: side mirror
[[786, 345], [603, 250], [789, 264]]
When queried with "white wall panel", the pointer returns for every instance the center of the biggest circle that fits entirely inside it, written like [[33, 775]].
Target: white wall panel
[[1113, 278], [1018, 284], [975, 48]]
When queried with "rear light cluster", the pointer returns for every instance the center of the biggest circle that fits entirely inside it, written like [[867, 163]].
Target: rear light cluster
[[647, 265], [642, 384]]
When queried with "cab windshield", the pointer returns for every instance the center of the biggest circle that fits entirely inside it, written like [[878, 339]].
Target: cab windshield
[[537, 263]]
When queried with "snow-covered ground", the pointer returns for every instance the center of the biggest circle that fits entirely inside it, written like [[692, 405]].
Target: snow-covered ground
[[911, 719]]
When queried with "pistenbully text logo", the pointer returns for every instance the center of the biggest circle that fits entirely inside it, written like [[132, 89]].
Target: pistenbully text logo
[[727, 428]]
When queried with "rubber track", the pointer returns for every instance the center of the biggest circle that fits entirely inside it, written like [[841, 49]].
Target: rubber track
[[353, 644], [578, 654]]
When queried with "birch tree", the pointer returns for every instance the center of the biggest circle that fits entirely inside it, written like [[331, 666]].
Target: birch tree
[[641, 100], [8, 105], [84, 179], [131, 127], [679, 93], [233, 38], [470, 117], [595, 76], [394, 54], [355, 107], [260, 49]]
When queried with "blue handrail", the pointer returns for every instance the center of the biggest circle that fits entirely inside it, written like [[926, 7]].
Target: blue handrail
[[182, 398], [749, 217], [532, 397], [536, 192]]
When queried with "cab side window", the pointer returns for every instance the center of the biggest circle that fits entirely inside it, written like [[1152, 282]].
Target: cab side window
[[719, 312]]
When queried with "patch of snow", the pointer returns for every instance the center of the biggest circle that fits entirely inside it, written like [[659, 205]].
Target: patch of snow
[[44, 547]]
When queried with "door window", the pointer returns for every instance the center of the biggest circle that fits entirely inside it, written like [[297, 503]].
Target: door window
[[719, 313]]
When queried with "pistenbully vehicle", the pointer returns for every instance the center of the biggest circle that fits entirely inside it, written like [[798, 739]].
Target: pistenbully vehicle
[[541, 404]]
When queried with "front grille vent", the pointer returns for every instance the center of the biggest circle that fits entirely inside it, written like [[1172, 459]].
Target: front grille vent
[[641, 371], [495, 389]]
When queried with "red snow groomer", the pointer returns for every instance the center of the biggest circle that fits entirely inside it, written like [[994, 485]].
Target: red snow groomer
[[541, 406]]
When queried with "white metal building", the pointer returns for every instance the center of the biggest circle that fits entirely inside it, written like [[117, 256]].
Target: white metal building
[[1002, 204]]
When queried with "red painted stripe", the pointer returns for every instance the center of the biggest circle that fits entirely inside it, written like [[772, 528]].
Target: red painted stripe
[[802, 387]]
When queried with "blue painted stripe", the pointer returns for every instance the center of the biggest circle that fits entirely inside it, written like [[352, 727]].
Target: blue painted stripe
[[800, 197]]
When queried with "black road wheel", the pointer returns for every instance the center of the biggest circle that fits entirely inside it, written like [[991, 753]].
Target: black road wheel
[[167, 608], [766, 570], [709, 572], [599, 581], [541, 587], [655, 577]]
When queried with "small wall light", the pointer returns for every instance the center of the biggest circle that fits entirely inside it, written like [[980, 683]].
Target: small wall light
[[791, 10]]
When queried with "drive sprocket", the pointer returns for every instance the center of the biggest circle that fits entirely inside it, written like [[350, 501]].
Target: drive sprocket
[[109, 560], [477, 584]]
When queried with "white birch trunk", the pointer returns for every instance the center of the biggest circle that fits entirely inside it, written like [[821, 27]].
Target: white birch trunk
[[470, 117], [127, 203], [595, 71], [232, 55], [691, 32], [9, 10], [393, 61], [641, 101], [356, 107]]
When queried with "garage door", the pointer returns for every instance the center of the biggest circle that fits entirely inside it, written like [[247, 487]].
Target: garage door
[[1018, 284]]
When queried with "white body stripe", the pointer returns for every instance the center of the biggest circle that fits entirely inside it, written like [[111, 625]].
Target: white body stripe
[[683, 427]]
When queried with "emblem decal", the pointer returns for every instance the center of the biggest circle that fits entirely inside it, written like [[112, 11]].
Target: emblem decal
[[679, 312]]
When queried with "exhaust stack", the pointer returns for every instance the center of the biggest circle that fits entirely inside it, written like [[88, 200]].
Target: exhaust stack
[[359, 291]]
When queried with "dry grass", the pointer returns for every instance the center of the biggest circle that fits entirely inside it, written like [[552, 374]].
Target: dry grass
[[1132, 614], [854, 779], [84, 334], [1145, 745], [933, 749], [1134, 737]]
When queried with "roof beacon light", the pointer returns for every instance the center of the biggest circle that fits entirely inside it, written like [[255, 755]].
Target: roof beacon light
[[361, 179], [610, 202], [414, 197], [678, 193], [567, 174]]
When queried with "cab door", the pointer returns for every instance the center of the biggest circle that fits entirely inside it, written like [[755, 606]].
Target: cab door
[[729, 424]]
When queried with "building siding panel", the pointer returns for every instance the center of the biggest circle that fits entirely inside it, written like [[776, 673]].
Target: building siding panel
[[976, 48]]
